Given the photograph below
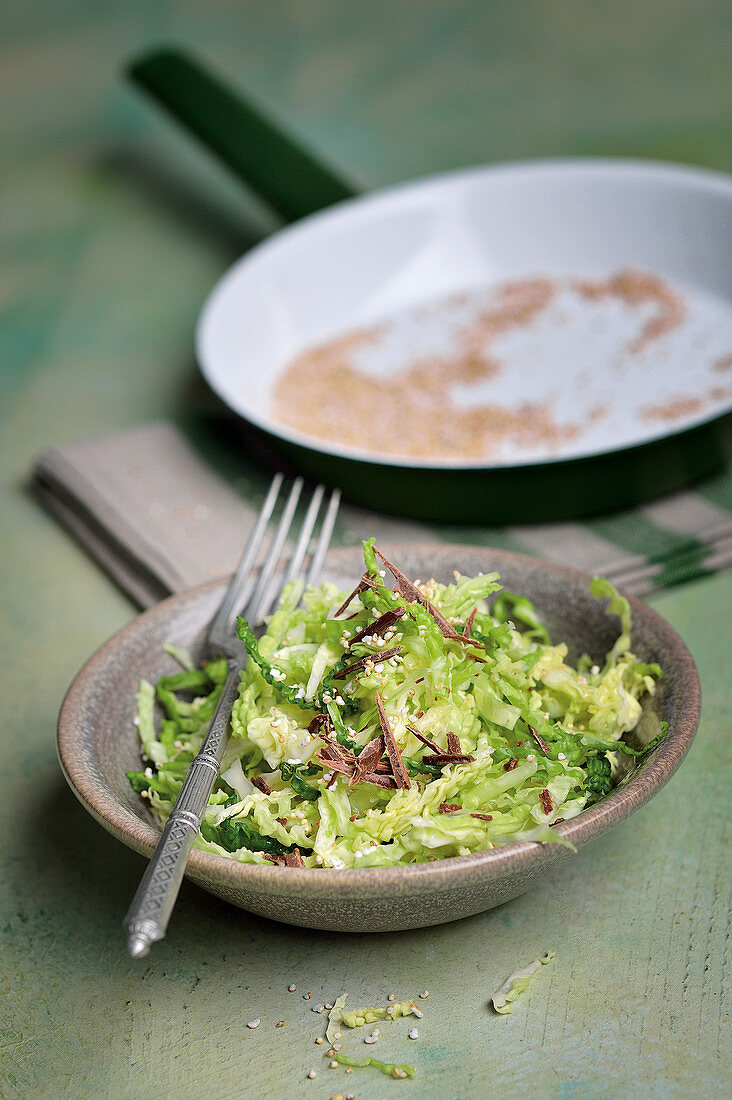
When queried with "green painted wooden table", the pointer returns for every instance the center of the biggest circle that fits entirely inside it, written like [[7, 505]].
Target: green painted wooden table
[[113, 228]]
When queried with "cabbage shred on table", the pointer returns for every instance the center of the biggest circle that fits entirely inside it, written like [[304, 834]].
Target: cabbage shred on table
[[405, 725]]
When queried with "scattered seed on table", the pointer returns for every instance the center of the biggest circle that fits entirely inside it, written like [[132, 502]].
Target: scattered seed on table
[[413, 1034], [254, 1023], [280, 1023], [319, 1040], [425, 994], [291, 988], [312, 1074], [333, 1065]]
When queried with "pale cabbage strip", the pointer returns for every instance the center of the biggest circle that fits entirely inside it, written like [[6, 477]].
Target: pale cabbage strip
[[515, 985]]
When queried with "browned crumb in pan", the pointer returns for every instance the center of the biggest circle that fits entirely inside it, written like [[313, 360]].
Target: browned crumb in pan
[[413, 412]]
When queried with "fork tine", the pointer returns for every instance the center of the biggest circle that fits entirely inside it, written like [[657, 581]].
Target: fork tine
[[308, 525], [326, 532], [147, 918], [238, 592], [256, 607]]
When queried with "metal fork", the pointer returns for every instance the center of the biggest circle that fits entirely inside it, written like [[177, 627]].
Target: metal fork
[[250, 595]]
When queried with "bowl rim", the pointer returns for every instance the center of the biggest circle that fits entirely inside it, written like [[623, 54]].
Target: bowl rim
[[267, 879], [640, 171]]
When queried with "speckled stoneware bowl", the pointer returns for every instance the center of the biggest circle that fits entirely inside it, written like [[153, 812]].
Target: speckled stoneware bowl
[[98, 743]]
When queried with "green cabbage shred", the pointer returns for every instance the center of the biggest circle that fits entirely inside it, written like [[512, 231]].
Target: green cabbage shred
[[389, 1068]]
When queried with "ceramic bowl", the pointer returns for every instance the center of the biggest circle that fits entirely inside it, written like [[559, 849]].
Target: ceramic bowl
[[97, 744]]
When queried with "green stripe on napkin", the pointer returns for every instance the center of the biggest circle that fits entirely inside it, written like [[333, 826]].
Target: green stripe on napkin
[[152, 511]]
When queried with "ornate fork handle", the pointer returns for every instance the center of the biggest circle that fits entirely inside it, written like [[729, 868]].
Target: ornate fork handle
[[147, 918], [250, 592]]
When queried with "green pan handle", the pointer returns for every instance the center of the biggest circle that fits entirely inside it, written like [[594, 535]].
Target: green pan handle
[[289, 178]]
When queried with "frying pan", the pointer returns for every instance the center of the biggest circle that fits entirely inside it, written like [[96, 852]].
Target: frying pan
[[609, 410]]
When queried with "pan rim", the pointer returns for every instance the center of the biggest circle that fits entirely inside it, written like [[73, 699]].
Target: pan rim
[[709, 181]]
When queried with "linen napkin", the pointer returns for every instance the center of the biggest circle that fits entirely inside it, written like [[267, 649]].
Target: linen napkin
[[159, 518]]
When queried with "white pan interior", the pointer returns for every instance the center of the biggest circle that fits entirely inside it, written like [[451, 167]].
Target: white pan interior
[[398, 255]]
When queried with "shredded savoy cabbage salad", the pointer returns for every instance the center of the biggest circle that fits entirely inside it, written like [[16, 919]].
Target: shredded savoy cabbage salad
[[396, 725]]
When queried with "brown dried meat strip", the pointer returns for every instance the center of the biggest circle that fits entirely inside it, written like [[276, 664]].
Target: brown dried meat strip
[[278, 860], [411, 593], [392, 749], [261, 784], [453, 744], [449, 807], [483, 817], [510, 764], [469, 623], [326, 735], [294, 859], [370, 658], [539, 740], [379, 626], [333, 751], [367, 759], [447, 758], [425, 740], [379, 780], [366, 582], [382, 767], [546, 801], [334, 765]]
